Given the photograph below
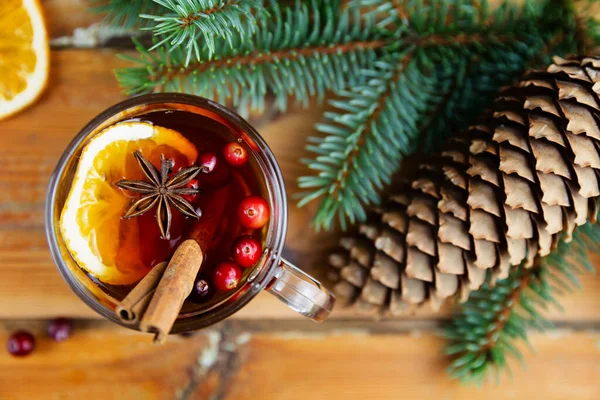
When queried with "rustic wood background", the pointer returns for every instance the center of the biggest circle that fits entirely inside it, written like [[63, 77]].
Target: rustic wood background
[[265, 351]]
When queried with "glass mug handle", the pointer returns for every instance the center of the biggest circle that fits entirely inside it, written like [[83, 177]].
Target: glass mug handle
[[301, 292]]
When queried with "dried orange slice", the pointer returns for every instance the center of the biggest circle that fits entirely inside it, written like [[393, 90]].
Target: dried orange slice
[[101, 242], [24, 55]]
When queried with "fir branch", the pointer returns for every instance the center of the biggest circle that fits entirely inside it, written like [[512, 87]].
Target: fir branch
[[446, 74], [387, 12], [196, 23], [482, 337], [342, 174], [299, 51], [125, 13]]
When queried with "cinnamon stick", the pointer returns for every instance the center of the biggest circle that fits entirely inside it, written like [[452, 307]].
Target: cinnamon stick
[[174, 286], [158, 303], [135, 303]]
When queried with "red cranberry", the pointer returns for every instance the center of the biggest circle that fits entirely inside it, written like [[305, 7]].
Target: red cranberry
[[208, 162], [219, 176], [253, 212], [227, 276], [246, 251], [235, 154], [177, 160], [60, 329], [191, 197], [201, 292], [20, 344], [178, 166]]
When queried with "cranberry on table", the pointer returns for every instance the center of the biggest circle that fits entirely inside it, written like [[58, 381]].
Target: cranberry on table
[[60, 329], [227, 276], [20, 344], [201, 292], [235, 154], [246, 251], [253, 212], [208, 162]]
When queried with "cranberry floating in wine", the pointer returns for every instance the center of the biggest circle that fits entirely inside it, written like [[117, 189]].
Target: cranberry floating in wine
[[235, 154], [218, 174], [227, 276], [208, 162], [247, 251], [253, 212], [201, 292], [194, 185]]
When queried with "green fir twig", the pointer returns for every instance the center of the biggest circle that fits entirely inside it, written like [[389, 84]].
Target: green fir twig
[[197, 23], [484, 335], [299, 51], [405, 75], [126, 13], [451, 59]]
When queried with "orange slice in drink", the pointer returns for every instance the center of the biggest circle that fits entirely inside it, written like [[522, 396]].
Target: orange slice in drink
[[91, 223]]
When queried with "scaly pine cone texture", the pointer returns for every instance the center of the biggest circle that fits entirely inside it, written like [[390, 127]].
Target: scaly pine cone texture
[[500, 194]]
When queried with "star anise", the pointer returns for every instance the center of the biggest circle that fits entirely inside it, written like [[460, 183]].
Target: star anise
[[161, 191]]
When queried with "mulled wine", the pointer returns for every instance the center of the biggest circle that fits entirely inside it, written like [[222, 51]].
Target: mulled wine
[[227, 194], [168, 213]]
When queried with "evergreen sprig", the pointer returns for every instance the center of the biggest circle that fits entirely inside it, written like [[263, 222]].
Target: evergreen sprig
[[300, 51], [451, 59], [404, 73], [197, 23], [363, 136], [126, 13], [483, 336]]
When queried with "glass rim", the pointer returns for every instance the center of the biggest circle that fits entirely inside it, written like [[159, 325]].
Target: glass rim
[[268, 166]]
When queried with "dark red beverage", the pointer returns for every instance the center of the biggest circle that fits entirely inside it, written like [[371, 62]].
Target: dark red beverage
[[168, 213], [230, 176]]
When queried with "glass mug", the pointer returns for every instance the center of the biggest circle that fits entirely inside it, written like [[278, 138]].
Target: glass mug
[[298, 290]]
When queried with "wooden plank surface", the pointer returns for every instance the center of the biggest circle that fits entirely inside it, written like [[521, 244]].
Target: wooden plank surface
[[409, 366], [82, 85], [64, 16], [266, 351], [258, 362], [98, 361]]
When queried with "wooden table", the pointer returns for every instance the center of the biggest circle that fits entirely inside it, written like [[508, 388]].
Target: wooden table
[[265, 351]]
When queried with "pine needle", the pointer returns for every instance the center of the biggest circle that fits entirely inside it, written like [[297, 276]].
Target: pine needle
[[297, 52], [481, 342], [194, 23], [449, 61], [125, 13], [405, 74]]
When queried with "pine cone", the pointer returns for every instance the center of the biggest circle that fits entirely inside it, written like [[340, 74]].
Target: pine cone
[[502, 193]]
